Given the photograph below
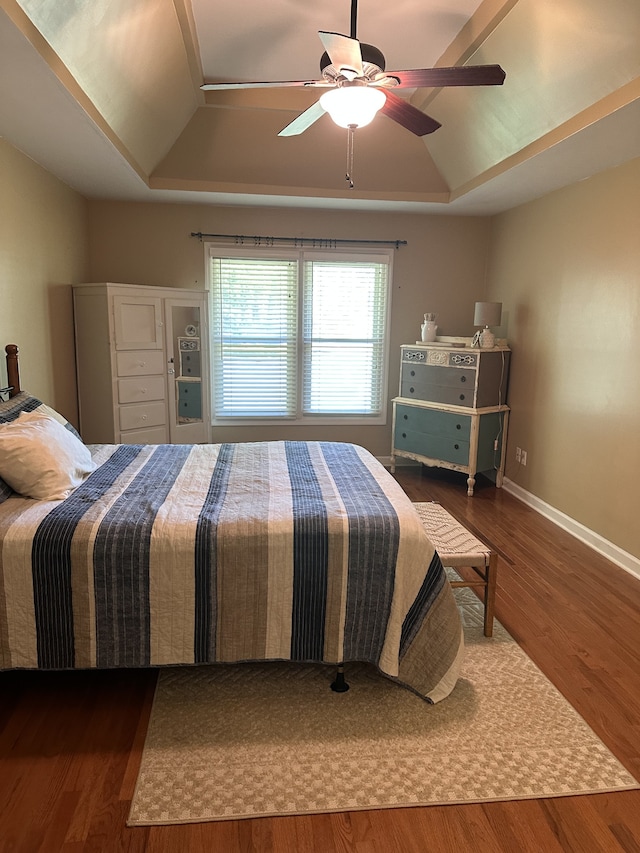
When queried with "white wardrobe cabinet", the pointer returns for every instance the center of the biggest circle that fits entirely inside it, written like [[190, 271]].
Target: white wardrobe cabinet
[[142, 364]]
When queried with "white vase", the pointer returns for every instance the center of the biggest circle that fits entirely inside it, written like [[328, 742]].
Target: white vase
[[429, 330]]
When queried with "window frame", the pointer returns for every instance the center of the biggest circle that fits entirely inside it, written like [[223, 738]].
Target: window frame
[[300, 254]]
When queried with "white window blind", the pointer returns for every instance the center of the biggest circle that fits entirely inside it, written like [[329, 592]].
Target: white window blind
[[298, 335], [344, 337], [255, 319]]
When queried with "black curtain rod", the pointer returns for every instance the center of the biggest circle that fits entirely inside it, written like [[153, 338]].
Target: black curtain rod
[[316, 242]]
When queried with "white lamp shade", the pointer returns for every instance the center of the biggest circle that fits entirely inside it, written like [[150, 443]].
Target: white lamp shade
[[487, 314], [353, 105]]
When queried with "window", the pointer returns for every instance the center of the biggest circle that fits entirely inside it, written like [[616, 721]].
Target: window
[[299, 335]]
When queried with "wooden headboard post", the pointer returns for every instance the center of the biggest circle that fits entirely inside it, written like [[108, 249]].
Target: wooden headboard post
[[13, 371]]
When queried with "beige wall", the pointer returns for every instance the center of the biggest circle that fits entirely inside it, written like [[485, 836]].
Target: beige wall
[[43, 246], [566, 268], [441, 269]]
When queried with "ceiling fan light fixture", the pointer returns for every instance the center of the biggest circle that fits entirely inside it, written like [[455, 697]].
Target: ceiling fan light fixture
[[353, 106]]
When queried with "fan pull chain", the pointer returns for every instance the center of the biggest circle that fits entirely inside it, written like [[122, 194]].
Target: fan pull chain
[[350, 132]]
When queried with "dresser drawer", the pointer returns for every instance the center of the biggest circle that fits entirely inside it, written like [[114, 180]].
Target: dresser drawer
[[430, 374], [189, 400], [450, 385], [433, 422], [139, 389], [462, 396], [438, 447], [142, 415], [140, 363]]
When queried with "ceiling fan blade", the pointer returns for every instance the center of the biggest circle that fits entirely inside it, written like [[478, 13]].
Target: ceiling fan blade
[[458, 75], [408, 116], [304, 120], [211, 87], [344, 52]]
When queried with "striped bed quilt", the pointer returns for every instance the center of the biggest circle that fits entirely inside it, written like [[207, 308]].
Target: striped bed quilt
[[198, 554]]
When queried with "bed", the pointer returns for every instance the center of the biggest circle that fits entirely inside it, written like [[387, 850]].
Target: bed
[[159, 555]]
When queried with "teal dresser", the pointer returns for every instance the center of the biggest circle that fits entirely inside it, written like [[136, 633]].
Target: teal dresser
[[451, 411]]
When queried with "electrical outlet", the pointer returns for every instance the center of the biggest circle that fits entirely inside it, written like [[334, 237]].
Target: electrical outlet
[[518, 454], [523, 457]]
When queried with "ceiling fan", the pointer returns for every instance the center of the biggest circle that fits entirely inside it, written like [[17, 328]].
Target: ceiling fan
[[359, 87]]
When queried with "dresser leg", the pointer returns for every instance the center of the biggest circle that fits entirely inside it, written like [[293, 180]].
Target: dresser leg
[[471, 481]]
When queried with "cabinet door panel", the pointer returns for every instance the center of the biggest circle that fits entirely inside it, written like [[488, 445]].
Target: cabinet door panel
[[138, 322]]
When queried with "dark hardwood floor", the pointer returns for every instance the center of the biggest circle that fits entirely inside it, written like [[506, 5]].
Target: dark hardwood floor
[[70, 743]]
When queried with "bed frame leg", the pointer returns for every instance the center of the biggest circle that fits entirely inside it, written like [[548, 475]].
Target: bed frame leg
[[339, 685]]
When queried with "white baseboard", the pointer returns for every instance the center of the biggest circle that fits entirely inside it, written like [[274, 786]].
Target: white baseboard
[[575, 528]]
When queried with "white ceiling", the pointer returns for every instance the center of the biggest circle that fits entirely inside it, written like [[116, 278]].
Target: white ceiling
[[256, 40]]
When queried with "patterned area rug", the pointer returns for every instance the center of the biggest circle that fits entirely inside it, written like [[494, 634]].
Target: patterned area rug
[[272, 739]]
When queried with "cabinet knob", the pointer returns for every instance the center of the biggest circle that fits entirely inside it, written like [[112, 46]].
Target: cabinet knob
[[458, 426], [457, 446], [412, 390], [404, 435], [463, 379], [144, 417], [406, 417], [413, 373], [462, 396]]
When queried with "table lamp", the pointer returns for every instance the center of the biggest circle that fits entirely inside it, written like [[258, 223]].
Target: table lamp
[[487, 314]]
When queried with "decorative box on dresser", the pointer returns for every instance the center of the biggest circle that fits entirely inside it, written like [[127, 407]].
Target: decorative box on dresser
[[141, 363], [451, 411]]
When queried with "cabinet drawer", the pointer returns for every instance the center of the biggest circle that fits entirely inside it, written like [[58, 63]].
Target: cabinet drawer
[[432, 422], [140, 363], [433, 446], [154, 435], [138, 389], [142, 415]]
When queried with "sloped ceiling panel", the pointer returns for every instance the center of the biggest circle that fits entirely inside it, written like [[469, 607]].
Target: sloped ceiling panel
[[561, 57], [129, 59]]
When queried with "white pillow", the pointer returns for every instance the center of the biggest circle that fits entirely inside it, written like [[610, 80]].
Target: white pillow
[[41, 459]]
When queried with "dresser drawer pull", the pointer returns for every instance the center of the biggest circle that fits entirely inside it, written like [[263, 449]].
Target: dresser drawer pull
[[413, 373], [457, 446], [458, 426], [462, 396], [463, 379], [412, 390], [404, 435]]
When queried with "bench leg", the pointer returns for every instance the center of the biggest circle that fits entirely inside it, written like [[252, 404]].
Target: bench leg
[[490, 594]]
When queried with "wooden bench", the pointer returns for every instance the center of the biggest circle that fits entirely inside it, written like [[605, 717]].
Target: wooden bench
[[459, 548]]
